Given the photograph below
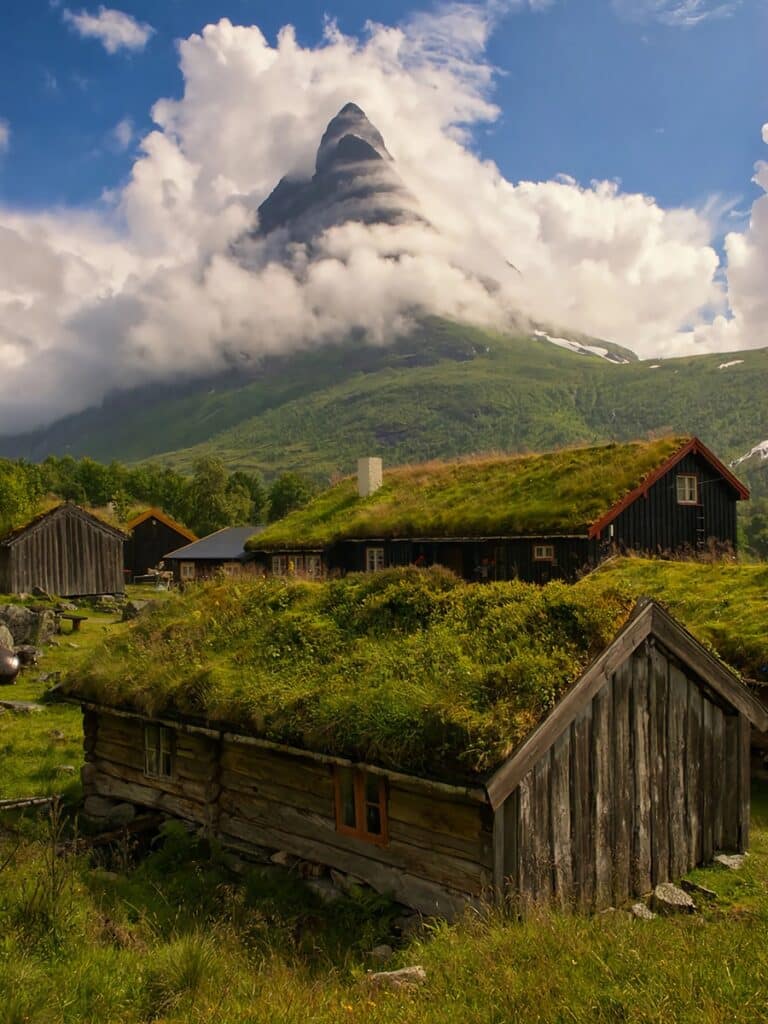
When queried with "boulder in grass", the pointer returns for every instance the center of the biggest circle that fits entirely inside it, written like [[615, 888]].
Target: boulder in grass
[[406, 977], [642, 912], [671, 899], [26, 625], [732, 861], [6, 638], [132, 609]]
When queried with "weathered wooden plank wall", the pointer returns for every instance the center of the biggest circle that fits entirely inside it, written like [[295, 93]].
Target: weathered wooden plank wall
[[646, 783], [66, 554], [439, 849]]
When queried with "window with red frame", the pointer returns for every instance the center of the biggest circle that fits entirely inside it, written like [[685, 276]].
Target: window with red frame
[[361, 804]]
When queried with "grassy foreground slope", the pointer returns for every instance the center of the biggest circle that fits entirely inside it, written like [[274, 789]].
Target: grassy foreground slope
[[179, 940]]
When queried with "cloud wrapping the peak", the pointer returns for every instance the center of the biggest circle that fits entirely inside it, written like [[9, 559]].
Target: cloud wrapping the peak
[[114, 29], [172, 280]]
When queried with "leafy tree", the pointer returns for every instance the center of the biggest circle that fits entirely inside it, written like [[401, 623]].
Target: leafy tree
[[289, 491], [253, 485], [17, 498], [213, 503]]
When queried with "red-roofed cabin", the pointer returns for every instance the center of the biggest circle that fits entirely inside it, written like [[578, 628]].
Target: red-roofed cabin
[[152, 535]]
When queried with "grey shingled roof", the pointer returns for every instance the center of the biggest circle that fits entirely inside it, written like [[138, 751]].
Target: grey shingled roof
[[224, 545]]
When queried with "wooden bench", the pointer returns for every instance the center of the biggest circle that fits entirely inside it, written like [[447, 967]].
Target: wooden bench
[[76, 620]]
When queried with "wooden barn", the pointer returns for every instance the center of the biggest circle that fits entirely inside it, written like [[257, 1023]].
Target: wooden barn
[[534, 518], [67, 551], [220, 552], [638, 773], [151, 535]]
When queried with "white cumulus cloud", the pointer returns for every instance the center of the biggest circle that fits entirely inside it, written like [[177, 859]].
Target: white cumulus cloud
[[162, 284], [5, 135], [114, 29]]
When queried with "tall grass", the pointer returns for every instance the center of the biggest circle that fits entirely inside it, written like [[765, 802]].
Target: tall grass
[[189, 943]]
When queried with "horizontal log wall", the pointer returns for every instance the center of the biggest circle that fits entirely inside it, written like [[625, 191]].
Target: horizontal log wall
[[439, 850], [649, 781], [439, 847]]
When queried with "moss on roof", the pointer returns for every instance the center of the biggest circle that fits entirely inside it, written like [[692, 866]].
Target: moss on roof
[[495, 495], [409, 669], [724, 604]]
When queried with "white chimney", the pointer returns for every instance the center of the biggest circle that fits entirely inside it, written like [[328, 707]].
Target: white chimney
[[370, 476]]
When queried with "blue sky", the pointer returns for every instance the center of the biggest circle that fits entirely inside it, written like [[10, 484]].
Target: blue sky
[[605, 149], [671, 111]]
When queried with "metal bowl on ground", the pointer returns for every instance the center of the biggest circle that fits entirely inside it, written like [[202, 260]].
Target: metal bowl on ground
[[9, 666]]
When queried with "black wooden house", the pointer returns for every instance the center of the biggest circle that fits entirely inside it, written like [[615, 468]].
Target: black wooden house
[[531, 517], [66, 551], [152, 534]]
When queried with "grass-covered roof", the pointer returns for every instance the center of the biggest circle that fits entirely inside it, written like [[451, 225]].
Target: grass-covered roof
[[560, 492], [409, 669]]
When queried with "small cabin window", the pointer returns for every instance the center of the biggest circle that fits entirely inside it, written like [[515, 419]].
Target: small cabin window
[[543, 552], [187, 570], [687, 489], [374, 559], [361, 804], [313, 566], [279, 565], [158, 751], [231, 569]]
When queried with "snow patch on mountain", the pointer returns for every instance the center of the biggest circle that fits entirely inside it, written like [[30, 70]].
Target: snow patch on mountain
[[582, 350]]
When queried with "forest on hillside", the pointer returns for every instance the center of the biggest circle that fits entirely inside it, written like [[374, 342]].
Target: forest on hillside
[[210, 499]]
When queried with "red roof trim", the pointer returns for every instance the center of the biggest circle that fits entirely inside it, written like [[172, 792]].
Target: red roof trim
[[695, 447]]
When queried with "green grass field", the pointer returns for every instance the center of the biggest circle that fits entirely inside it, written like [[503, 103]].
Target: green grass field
[[174, 937], [178, 939]]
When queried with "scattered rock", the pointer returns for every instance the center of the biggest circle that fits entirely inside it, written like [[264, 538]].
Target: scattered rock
[[346, 882], [671, 899], [40, 592], [642, 912], [283, 858], [71, 643], [6, 637], [325, 889], [65, 769], [28, 654], [406, 977], [26, 625], [698, 890], [381, 953], [121, 814], [21, 707], [732, 861], [66, 606], [133, 608], [57, 736]]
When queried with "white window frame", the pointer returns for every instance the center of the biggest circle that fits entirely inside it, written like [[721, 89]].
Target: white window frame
[[543, 552], [158, 751], [230, 569], [279, 565], [187, 571], [687, 489], [374, 559]]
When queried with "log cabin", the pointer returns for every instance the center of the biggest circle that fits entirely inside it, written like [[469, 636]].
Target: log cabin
[[67, 551], [151, 535], [220, 552], [533, 517], [636, 772]]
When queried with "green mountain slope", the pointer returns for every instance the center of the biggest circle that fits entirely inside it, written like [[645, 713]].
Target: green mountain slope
[[447, 390]]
